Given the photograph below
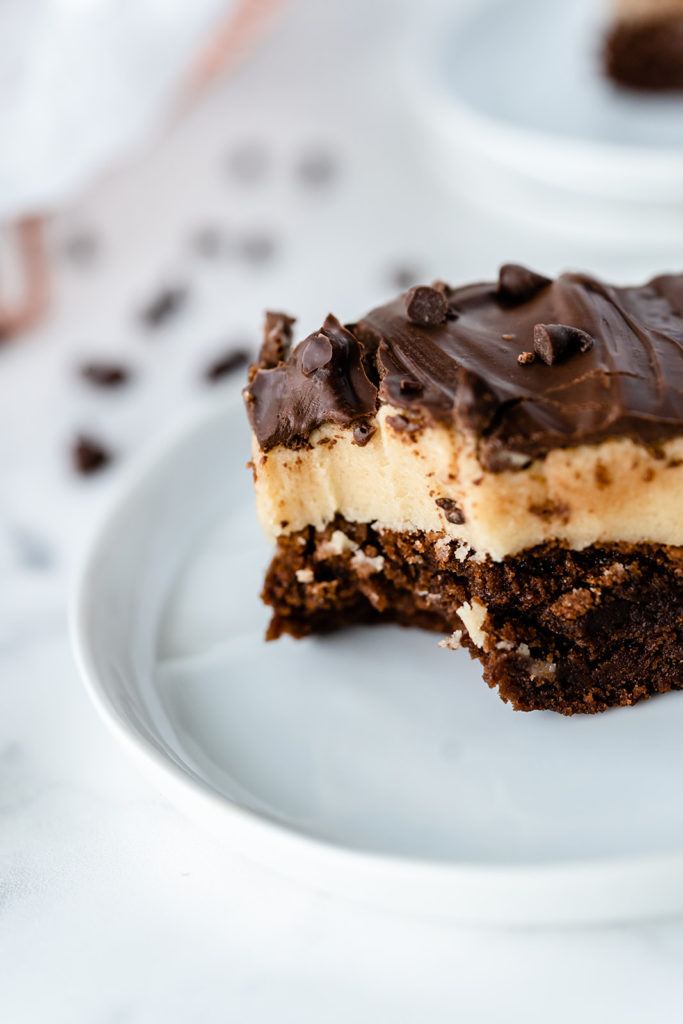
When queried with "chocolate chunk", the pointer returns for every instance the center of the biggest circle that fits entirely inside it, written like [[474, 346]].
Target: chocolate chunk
[[426, 306], [516, 284], [363, 432], [164, 306], [410, 387], [89, 455], [277, 339], [524, 358], [475, 403], [452, 511], [317, 354], [555, 342], [226, 364], [105, 375]]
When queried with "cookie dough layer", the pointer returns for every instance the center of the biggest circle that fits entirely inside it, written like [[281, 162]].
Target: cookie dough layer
[[431, 481]]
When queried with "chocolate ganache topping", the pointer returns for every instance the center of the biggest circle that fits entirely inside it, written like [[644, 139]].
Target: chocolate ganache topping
[[526, 364]]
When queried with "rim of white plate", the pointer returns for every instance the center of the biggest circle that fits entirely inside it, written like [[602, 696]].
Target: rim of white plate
[[544, 893]]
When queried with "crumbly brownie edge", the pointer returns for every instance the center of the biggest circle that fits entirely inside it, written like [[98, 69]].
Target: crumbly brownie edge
[[555, 629]]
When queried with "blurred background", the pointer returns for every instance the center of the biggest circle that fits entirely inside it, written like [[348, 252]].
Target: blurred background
[[171, 170]]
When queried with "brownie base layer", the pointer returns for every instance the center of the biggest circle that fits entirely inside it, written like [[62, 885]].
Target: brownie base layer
[[564, 630], [647, 55]]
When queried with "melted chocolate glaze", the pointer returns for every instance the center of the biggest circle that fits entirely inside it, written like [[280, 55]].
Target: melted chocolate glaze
[[625, 381]]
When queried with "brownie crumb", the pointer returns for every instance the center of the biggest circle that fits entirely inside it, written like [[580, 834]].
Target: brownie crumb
[[454, 514], [89, 455], [164, 306], [226, 364], [524, 358], [105, 375]]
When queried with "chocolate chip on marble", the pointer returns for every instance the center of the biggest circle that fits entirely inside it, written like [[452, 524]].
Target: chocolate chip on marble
[[164, 306], [89, 455], [316, 167], [555, 342], [517, 284], [524, 358], [209, 242], [317, 354], [81, 248], [257, 249], [248, 163], [226, 364], [452, 511], [105, 375], [426, 306], [362, 433]]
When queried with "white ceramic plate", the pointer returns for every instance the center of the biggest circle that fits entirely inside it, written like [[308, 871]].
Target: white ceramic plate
[[515, 94], [370, 764]]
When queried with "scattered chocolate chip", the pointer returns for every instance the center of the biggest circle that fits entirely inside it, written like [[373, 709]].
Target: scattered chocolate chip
[[164, 306], [248, 163], [517, 284], [317, 354], [81, 248], [409, 386], [426, 306], [555, 342], [277, 339], [209, 242], [316, 168], [105, 375], [226, 364], [257, 249], [452, 511], [362, 433], [402, 278], [524, 358], [89, 456]]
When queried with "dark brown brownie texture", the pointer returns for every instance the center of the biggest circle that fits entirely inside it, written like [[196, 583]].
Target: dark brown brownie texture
[[567, 631], [647, 55]]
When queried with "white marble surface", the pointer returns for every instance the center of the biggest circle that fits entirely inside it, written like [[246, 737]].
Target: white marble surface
[[112, 907]]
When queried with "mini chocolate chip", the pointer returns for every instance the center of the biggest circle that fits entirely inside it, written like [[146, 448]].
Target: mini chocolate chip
[[316, 168], [317, 354], [426, 306], [524, 358], [452, 511], [362, 433], [226, 364], [164, 306], [403, 424], [555, 342], [518, 284], [248, 163], [89, 456], [257, 249], [105, 375], [409, 386], [81, 248], [209, 242]]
